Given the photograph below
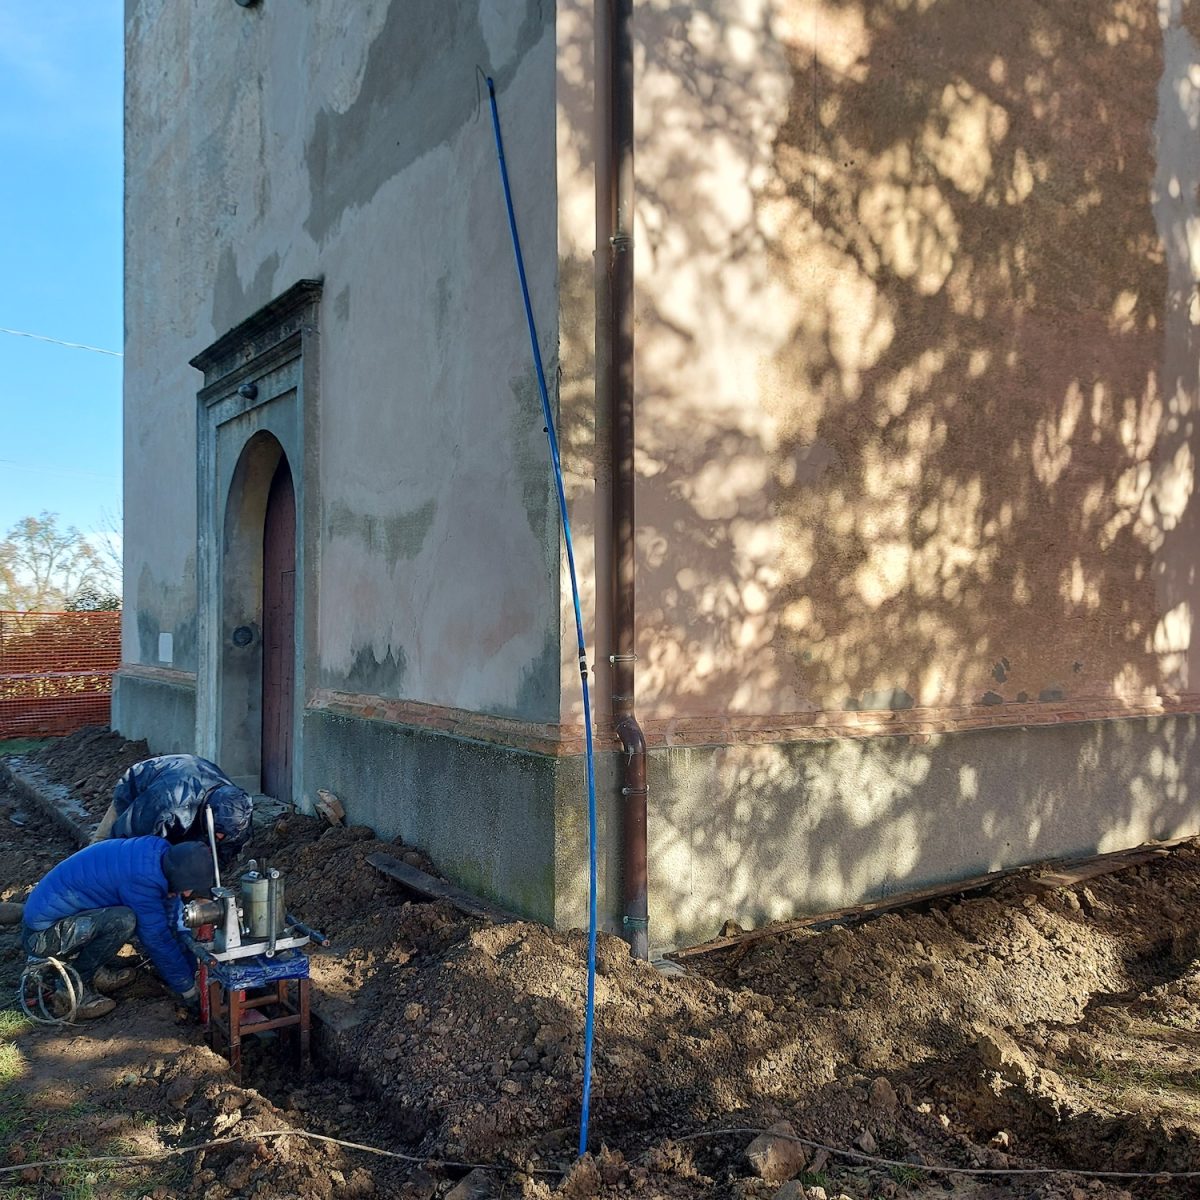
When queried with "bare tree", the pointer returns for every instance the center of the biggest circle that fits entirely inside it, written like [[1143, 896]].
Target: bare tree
[[8, 580], [44, 566], [107, 539]]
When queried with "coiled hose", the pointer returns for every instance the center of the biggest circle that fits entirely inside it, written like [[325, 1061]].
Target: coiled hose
[[46, 977]]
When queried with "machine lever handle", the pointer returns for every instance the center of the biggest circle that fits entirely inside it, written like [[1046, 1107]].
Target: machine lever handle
[[307, 931]]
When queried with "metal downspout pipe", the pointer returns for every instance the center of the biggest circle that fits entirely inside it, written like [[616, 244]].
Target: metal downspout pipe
[[614, 355]]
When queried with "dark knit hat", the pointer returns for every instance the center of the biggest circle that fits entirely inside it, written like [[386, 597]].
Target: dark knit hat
[[189, 868], [231, 809]]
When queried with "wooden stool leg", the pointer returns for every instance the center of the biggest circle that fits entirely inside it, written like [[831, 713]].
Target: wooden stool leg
[[304, 1025], [292, 1032], [214, 1012], [236, 996]]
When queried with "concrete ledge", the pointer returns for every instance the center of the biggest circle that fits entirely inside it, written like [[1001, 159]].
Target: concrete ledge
[[157, 705], [483, 813], [51, 799]]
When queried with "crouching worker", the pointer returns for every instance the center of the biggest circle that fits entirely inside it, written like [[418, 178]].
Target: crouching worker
[[167, 797], [101, 897]]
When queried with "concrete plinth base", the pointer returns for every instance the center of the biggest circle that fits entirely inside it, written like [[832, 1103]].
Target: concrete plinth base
[[753, 832], [159, 706]]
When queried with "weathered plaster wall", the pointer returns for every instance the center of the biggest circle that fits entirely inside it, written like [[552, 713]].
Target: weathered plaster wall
[[439, 573], [916, 360], [769, 831], [582, 432], [278, 143], [915, 377], [916, 380]]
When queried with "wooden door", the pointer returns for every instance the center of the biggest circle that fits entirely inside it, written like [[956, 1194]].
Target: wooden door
[[279, 635]]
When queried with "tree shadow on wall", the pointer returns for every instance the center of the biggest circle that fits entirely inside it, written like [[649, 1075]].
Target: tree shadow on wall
[[989, 405], [949, 249]]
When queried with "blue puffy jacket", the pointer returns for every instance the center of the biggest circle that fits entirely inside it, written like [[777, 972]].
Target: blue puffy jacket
[[165, 796], [125, 872]]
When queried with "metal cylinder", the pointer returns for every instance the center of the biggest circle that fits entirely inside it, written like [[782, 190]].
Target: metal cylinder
[[256, 912], [201, 912], [263, 909]]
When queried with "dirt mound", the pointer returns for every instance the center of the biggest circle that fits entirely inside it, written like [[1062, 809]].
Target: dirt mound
[[26, 853], [90, 762], [1024, 1027], [472, 1033], [327, 877], [195, 1089]]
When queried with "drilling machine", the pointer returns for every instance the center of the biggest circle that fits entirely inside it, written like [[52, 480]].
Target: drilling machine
[[248, 920], [234, 934]]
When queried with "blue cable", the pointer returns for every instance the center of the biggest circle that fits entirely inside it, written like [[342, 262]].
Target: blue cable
[[589, 1015]]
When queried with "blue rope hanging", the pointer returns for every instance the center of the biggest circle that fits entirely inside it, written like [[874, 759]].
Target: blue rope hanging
[[589, 1014]]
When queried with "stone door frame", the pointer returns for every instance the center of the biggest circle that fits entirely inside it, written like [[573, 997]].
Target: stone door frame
[[259, 402]]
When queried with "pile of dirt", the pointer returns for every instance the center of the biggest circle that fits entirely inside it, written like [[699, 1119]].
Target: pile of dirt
[[193, 1091], [182, 1098], [1028, 1026], [27, 852], [472, 1033], [89, 763]]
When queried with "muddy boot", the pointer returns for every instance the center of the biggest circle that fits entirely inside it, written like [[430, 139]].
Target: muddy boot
[[94, 1005], [57, 1003], [112, 979]]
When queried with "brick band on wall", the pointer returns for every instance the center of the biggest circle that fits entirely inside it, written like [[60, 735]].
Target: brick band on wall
[[916, 724]]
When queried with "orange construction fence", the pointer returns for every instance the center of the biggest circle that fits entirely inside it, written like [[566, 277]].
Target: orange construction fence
[[56, 671]]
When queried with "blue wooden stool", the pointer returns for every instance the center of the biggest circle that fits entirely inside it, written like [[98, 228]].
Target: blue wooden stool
[[270, 979]]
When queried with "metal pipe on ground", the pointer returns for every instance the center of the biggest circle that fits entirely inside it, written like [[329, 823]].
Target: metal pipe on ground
[[614, 194]]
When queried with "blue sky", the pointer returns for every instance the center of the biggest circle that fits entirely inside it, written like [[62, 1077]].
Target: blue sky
[[60, 250]]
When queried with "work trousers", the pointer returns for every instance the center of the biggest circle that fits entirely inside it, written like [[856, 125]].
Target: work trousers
[[86, 939], [104, 829]]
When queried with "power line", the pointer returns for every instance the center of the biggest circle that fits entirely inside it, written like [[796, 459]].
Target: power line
[[44, 470], [40, 337]]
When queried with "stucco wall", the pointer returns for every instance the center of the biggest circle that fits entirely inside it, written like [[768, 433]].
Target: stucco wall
[[348, 144], [757, 832], [916, 353], [916, 376]]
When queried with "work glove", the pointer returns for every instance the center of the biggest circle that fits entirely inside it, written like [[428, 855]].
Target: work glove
[[189, 1002]]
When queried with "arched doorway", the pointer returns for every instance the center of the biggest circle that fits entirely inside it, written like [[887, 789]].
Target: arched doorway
[[279, 634], [257, 664], [257, 449]]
